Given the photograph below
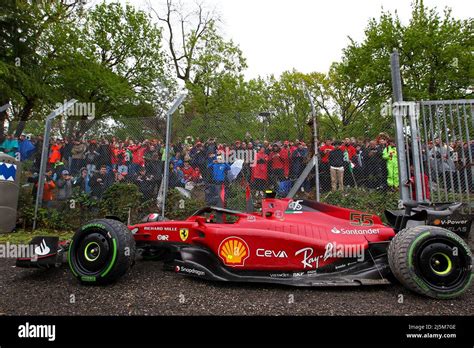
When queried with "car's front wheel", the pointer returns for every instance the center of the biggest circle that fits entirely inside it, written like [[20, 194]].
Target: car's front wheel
[[101, 251], [431, 261]]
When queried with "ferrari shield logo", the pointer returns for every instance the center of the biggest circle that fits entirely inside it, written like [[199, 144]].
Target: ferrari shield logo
[[183, 234]]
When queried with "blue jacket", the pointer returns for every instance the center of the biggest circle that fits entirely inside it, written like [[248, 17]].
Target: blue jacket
[[26, 149], [219, 171], [177, 162]]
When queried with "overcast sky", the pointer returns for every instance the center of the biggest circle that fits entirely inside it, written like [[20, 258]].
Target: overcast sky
[[308, 35]]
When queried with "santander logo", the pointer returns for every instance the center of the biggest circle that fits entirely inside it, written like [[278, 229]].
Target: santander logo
[[336, 230]]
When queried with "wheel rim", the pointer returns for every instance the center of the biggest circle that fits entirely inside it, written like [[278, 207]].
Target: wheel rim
[[441, 264], [92, 253]]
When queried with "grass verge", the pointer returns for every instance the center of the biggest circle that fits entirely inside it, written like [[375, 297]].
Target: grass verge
[[24, 236]]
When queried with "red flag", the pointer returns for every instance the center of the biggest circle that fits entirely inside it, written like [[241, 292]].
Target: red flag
[[222, 199], [248, 199]]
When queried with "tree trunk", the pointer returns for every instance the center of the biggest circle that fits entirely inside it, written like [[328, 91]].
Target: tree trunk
[[3, 117], [84, 127], [24, 116]]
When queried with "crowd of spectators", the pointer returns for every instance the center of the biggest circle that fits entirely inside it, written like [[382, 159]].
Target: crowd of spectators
[[93, 165]]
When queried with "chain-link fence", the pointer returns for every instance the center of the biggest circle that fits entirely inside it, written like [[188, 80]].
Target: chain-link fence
[[440, 147], [94, 168], [232, 160], [115, 167]]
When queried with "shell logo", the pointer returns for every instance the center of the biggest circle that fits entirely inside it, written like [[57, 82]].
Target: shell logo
[[437, 222], [233, 251]]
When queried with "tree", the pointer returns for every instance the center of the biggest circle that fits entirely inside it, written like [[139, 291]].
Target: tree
[[109, 55], [231, 109], [195, 44], [341, 102], [290, 105], [28, 53], [435, 56], [201, 57], [121, 67]]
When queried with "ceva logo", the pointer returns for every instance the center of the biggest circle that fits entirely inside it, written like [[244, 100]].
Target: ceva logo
[[271, 253]]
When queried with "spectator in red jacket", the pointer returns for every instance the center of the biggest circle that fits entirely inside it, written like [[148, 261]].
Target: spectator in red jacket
[[138, 153], [285, 156], [114, 155], [425, 183], [188, 172], [347, 146], [276, 168], [325, 150], [260, 171]]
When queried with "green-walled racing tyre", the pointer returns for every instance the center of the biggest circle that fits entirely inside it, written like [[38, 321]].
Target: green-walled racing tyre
[[101, 251], [431, 261]]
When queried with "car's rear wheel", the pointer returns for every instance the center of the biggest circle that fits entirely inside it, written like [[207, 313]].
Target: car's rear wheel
[[101, 251], [431, 261]]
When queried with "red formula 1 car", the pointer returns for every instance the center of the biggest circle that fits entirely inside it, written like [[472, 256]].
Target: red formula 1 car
[[291, 242]]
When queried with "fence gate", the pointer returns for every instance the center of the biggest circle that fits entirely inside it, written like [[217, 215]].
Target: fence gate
[[438, 144]]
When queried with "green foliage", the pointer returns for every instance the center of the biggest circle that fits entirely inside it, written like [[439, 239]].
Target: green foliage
[[365, 200], [436, 63], [56, 218], [109, 55], [178, 207], [120, 199], [24, 236], [117, 201], [435, 56], [236, 199]]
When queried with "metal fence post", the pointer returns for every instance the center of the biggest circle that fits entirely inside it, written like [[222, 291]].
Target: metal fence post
[[414, 111], [315, 143], [177, 102], [44, 154], [399, 114]]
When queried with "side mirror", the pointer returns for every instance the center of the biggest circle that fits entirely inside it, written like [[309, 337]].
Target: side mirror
[[201, 220]]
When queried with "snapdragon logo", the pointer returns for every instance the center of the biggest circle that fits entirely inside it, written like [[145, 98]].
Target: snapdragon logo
[[37, 331]]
